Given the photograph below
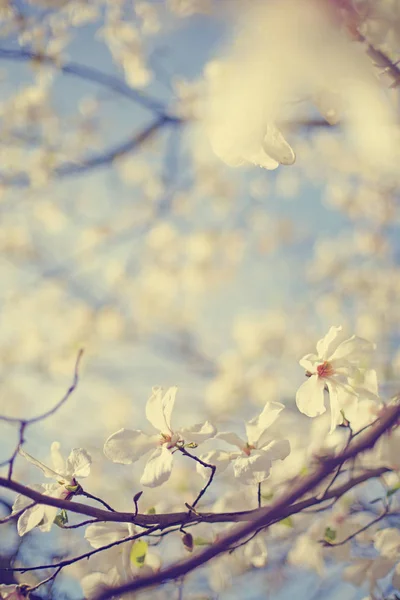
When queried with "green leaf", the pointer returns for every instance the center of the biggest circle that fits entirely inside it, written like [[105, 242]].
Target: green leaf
[[267, 496], [330, 534], [61, 519], [151, 511], [199, 541], [288, 522], [191, 445], [392, 491], [72, 488], [138, 553]]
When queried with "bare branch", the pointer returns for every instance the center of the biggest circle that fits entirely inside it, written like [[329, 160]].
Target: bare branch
[[24, 423], [91, 74]]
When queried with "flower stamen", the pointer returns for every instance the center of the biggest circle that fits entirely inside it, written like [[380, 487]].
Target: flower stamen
[[325, 370]]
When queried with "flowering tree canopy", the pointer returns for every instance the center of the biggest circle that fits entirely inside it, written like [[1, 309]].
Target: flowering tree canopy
[[199, 206]]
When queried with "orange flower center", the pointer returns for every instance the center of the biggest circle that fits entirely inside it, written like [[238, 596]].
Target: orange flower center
[[165, 438], [325, 369], [248, 448]]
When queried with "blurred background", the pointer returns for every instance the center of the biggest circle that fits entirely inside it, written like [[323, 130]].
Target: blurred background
[[123, 230]]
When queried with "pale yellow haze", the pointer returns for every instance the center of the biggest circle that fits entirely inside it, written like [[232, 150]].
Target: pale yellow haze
[[286, 57]]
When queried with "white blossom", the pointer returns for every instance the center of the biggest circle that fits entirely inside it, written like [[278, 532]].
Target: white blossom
[[127, 446], [253, 461], [64, 473], [340, 365]]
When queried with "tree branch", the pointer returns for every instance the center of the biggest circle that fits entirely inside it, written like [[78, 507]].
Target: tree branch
[[91, 74]]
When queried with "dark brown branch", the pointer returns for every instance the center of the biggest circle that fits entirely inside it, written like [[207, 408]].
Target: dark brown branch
[[170, 519]]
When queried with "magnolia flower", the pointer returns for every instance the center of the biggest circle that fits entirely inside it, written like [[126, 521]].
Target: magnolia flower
[[235, 140], [127, 446], [339, 365], [64, 473], [268, 151], [253, 461]]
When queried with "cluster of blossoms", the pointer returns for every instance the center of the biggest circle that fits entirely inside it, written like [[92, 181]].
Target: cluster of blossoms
[[251, 462], [340, 369]]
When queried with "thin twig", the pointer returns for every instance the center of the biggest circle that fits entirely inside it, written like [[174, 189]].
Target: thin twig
[[24, 423], [70, 561], [51, 578], [203, 464], [83, 492]]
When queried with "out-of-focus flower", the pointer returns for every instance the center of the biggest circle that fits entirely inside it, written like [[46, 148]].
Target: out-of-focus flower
[[12, 592], [65, 473], [134, 560], [340, 365], [127, 446], [265, 147]]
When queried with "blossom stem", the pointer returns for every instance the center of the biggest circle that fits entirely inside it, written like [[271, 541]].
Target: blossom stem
[[203, 464], [82, 492]]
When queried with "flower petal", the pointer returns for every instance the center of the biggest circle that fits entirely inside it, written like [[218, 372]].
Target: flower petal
[[328, 344], [309, 362], [336, 415], [47, 472], [159, 408], [78, 463], [198, 433], [256, 553], [262, 159], [126, 446], [387, 542], [254, 468], [158, 468], [231, 438], [275, 145], [101, 534], [21, 501], [57, 458], [396, 577], [310, 397], [217, 458], [96, 583], [49, 514], [257, 426], [355, 349], [30, 518], [278, 449]]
